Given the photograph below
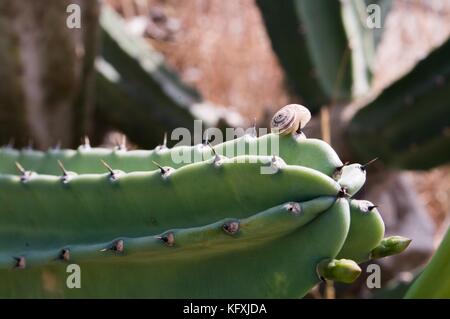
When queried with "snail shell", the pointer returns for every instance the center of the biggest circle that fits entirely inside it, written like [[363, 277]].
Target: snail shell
[[290, 119]]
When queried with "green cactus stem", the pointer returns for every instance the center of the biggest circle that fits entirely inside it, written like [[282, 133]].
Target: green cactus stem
[[280, 268], [433, 282], [219, 237], [327, 59], [366, 231], [294, 149], [407, 124], [190, 196], [352, 177]]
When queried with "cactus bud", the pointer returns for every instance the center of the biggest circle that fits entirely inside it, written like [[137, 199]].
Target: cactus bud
[[390, 246], [341, 270]]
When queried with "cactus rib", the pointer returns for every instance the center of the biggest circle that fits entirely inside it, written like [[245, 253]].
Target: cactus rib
[[210, 239], [180, 199], [273, 272], [312, 153], [366, 231]]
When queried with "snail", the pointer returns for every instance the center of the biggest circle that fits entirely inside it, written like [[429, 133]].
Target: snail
[[291, 118]]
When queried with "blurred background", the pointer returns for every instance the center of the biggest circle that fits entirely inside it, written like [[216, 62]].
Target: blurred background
[[144, 67]]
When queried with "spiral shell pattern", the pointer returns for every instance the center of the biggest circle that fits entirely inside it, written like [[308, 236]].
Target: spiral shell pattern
[[290, 119]]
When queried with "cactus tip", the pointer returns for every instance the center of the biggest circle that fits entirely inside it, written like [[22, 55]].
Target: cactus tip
[[389, 246]]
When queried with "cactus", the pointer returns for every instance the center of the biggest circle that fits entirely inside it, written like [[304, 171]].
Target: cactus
[[289, 43], [411, 117], [137, 90], [270, 271], [168, 197], [327, 59], [433, 282], [51, 234], [171, 226]]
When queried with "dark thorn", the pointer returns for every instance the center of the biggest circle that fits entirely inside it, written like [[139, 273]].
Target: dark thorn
[[20, 168], [372, 207], [363, 167], [20, 263], [65, 175], [112, 174], [162, 169], [343, 193], [64, 255], [111, 171], [25, 174], [62, 168], [118, 246], [342, 166], [231, 227], [168, 239]]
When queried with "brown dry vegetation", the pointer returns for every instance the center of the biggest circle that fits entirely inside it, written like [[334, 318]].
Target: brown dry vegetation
[[222, 49]]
